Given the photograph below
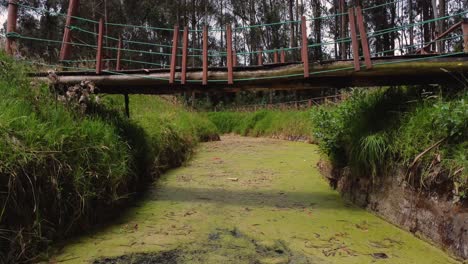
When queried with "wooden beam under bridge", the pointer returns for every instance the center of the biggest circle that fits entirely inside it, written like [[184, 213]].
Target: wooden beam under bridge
[[388, 71]]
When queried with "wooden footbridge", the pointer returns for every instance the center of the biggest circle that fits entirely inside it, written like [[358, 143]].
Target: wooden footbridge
[[273, 69]]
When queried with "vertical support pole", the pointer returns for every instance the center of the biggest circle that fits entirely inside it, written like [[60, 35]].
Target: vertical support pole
[[175, 43], [275, 57], [305, 51], [354, 40], [465, 35], [205, 55], [184, 55], [99, 48], [283, 56], [118, 65], [127, 105], [11, 26], [229, 54], [66, 47], [260, 57], [364, 41]]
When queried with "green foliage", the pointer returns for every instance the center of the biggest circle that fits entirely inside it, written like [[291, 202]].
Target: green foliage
[[274, 123], [62, 171], [376, 129]]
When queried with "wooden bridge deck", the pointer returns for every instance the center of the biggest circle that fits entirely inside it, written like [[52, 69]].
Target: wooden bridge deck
[[386, 71]]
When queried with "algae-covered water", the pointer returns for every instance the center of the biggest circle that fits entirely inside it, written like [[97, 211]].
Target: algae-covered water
[[246, 200]]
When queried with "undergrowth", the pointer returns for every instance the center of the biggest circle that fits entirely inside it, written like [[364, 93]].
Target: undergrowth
[[423, 131], [265, 123], [62, 171]]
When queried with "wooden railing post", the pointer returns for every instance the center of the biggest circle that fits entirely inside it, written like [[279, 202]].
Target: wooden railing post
[[229, 54], [364, 41], [234, 58], [11, 26], [283, 56], [118, 65], [184, 56], [260, 57], [205, 55], [354, 40], [275, 57], [66, 47], [305, 50], [175, 43], [99, 48], [465, 35]]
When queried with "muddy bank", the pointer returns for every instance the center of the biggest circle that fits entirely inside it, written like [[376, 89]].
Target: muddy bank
[[430, 216]]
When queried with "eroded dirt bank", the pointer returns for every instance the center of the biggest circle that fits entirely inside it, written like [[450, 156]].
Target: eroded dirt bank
[[247, 200]]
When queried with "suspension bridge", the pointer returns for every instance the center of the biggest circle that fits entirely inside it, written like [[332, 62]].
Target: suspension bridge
[[229, 70]]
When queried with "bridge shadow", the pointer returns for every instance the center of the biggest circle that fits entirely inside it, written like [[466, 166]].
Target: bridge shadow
[[327, 199]]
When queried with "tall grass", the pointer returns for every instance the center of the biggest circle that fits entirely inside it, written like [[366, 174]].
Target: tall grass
[[62, 171], [266, 123]]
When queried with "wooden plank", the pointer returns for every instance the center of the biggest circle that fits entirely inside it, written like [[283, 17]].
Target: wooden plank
[[229, 54], [66, 47], [118, 65], [275, 57], [424, 50], [234, 57], [99, 48], [465, 35], [175, 43], [283, 56], [184, 56], [364, 40], [205, 56], [305, 49], [354, 40], [12, 21]]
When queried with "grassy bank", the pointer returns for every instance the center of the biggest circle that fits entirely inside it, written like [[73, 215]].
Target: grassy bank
[[62, 171], [423, 131], [296, 125]]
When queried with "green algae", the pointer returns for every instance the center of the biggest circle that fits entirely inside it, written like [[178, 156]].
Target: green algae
[[245, 200]]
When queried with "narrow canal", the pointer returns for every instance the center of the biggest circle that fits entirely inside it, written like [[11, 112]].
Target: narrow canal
[[247, 200]]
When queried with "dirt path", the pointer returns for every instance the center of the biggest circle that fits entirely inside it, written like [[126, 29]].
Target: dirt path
[[245, 200]]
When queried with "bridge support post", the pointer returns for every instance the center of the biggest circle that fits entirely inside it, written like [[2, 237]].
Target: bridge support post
[[205, 55], [275, 57], [66, 44], [99, 48], [305, 50], [118, 65], [283, 56], [229, 54], [364, 40], [260, 57], [465, 35], [354, 39], [234, 57], [175, 43], [184, 56], [10, 46]]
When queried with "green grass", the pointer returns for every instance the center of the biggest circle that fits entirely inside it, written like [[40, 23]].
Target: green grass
[[375, 130], [62, 172], [265, 123]]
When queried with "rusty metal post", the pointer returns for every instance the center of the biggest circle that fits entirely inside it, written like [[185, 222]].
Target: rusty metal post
[[118, 65], [184, 55], [229, 54], [305, 43], [11, 26], [235, 63], [260, 57], [175, 43], [275, 57], [99, 48], [283, 56], [66, 44], [205, 55], [465, 34], [364, 41], [354, 40]]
